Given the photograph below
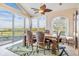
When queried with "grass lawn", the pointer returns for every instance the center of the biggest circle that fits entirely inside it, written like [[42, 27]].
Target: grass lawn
[[17, 32]]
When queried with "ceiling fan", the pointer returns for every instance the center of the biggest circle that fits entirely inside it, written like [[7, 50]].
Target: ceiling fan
[[42, 9]]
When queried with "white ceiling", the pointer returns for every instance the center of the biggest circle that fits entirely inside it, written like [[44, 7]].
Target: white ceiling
[[53, 6]]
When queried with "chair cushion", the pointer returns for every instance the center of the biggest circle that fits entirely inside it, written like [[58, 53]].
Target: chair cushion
[[62, 47]]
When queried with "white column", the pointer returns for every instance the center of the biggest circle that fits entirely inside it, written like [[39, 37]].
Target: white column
[[24, 25], [47, 23], [75, 23], [38, 24], [13, 17], [30, 23]]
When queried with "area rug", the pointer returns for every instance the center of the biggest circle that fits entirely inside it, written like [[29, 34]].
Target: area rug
[[20, 50]]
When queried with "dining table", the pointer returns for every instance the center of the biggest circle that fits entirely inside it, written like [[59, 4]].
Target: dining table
[[54, 46]]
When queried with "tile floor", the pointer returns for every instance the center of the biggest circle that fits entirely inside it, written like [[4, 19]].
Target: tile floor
[[4, 52]]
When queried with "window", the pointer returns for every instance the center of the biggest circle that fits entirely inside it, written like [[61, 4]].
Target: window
[[19, 27], [27, 23], [42, 22], [39, 23], [34, 25], [5, 26], [60, 24]]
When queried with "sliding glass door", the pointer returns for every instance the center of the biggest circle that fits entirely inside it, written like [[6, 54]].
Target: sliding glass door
[[18, 27], [5, 26]]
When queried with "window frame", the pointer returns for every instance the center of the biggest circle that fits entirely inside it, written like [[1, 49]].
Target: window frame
[[67, 22]]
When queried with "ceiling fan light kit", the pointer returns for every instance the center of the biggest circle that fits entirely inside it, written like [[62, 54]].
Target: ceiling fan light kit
[[42, 9]]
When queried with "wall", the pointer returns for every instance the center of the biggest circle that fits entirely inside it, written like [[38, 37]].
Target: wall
[[66, 13]]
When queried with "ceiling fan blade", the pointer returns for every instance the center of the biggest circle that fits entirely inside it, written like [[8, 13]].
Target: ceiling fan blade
[[35, 9], [36, 12], [48, 10], [43, 7], [43, 13]]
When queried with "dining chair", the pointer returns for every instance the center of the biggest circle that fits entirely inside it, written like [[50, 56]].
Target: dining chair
[[58, 39], [40, 36], [47, 40], [47, 31], [55, 43], [29, 38], [70, 41]]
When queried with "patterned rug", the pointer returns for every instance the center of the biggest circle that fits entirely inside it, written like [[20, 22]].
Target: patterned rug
[[20, 50]]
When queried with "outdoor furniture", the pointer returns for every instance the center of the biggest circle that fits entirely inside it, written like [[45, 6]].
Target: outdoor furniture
[[58, 37], [47, 40], [51, 46], [54, 46], [24, 41], [64, 40], [70, 40], [63, 51], [60, 47], [40, 36], [55, 43], [47, 32], [29, 39], [51, 40], [51, 43]]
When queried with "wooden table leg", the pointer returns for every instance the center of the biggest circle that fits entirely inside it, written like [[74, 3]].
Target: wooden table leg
[[54, 46]]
